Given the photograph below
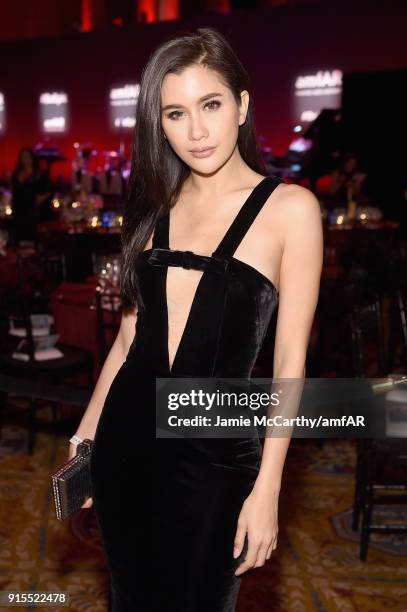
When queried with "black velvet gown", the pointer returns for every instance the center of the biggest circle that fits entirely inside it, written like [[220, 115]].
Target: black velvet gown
[[167, 508]]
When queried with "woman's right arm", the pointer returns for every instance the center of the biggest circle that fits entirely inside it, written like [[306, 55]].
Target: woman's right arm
[[114, 361]]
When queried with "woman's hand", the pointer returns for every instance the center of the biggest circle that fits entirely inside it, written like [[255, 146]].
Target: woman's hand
[[71, 453], [259, 519]]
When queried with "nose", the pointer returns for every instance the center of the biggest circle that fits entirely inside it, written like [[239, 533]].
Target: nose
[[197, 129]]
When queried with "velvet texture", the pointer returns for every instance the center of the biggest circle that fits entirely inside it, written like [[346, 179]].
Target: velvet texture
[[167, 509]]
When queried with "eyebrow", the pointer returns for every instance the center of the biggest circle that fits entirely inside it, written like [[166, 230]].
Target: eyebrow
[[206, 97]]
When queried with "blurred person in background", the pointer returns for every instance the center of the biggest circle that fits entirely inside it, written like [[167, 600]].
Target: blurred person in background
[[30, 190], [347, 180]]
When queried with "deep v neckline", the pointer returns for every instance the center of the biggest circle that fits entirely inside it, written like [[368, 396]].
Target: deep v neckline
[[170, 367], [219, 249]]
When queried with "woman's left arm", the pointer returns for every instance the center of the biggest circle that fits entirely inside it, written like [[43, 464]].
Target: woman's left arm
[[44, 188], [300, 274]]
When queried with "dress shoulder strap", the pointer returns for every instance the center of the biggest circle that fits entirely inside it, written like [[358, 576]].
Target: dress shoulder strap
[[246, 215], [161, 233], [239, 226]]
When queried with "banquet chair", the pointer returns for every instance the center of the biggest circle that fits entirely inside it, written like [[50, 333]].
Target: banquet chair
[[109, 312], [31, 364], [37, 393], [335, 303], [398, 331], [397, 281], [38, 275], [381, 476]]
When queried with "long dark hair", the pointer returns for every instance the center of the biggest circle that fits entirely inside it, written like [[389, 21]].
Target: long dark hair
[[157, 173], [34, 161]]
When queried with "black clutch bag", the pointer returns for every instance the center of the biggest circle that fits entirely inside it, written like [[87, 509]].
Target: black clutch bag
[[71, 483]]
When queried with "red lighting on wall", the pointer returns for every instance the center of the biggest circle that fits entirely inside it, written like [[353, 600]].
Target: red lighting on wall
[[218, 6], [147, 11], [87, 15], [168, 9]]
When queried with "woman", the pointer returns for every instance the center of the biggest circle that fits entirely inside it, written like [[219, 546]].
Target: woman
[[347, 181], [195, 514], [28, 193]]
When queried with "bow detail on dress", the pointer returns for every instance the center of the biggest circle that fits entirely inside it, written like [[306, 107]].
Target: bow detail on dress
[[188, 259]]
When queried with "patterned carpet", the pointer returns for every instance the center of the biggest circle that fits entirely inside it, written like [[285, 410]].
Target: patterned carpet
[[315, 567]]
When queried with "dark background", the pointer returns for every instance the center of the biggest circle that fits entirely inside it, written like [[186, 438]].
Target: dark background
[[275, 44]]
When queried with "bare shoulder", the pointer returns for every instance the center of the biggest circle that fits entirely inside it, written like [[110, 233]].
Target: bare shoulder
[[292, 199], [294, 214]]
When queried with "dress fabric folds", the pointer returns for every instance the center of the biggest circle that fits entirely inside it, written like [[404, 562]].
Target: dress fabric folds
[[167, 508]]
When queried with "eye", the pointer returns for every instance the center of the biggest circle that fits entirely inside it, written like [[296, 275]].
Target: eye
[[213, 104], [174, 115]]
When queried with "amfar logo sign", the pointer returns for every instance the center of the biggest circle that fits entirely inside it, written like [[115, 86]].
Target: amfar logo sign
[[323, 79]]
